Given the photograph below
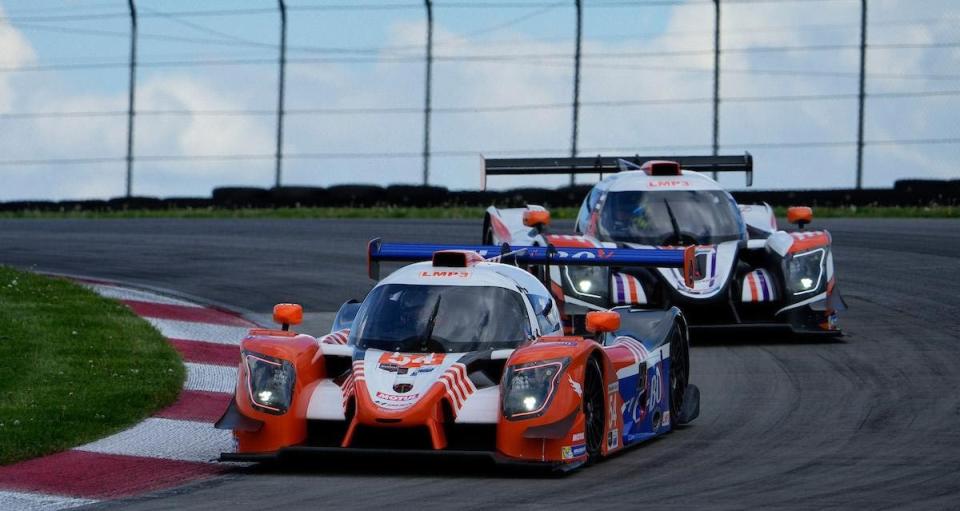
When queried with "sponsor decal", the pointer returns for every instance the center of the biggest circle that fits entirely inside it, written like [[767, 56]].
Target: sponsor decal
[[613, 387], [566, 452], [579, 450], [670, 183], [636, 408], [397, 398], [445, 274], [655, 388], [576, 386], [557, 343], [666, 418], [578, 437], [613, 439], [394, 401], [612, 398], [583, 254], [393, 362], [605, 254]]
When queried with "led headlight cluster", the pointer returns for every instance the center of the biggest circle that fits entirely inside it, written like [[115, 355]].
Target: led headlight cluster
[[269, 382], [804, 271], [586, 280], [528, 388]]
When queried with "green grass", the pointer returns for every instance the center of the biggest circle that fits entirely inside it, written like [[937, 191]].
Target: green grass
[[75, 366], [453, 212], [278, 213]]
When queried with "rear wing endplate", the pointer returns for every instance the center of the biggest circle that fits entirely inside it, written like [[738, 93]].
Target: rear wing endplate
[[608, 164], [378, 251]]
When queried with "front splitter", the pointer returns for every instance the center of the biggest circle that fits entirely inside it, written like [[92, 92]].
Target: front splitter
[[333, 454]]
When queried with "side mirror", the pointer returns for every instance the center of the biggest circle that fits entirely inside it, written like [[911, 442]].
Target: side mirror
[[603, 321], [288, 314], [537, 218], [800, 215]]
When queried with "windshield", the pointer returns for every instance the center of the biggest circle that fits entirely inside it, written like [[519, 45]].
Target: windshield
[[676, 217], [440, 319]]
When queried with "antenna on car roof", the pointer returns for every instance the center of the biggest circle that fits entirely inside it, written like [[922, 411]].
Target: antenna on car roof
[[505, 252], [627, 165]]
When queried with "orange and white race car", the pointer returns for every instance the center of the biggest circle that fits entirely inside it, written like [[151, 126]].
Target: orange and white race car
[[463, 353]]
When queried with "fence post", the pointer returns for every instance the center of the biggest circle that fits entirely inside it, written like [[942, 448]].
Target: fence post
[[132, 95], [576, 86], [716, 80], [426, 103], [863, 67], [280, 90]]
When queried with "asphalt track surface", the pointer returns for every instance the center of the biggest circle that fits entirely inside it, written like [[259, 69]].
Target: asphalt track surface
[[871, 421]]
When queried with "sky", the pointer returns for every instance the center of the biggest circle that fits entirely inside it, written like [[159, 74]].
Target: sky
[[206, 91]]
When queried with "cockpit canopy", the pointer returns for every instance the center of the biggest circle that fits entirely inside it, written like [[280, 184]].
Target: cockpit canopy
[[674, 217], [414, 318]]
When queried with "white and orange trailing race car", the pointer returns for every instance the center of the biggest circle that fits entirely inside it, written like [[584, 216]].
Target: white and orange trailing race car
[[463, 353], [753, 274]]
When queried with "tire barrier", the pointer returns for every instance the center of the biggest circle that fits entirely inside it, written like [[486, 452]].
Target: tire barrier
[[905, 193], [356, 195], [135, 203], [297, 196], [239, 197], [416, 196]]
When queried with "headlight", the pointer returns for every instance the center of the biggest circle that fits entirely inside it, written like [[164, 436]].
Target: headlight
[[269, 382], [804, 271], [586, 280], [528, 388]]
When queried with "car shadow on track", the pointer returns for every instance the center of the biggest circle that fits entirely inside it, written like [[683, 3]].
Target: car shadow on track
[[388, 466]]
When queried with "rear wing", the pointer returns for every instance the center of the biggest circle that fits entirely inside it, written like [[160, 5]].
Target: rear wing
[[609, 164], [378, 251]]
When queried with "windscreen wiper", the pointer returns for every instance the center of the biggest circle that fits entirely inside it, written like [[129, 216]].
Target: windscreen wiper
[[673, 221], [425, 340]]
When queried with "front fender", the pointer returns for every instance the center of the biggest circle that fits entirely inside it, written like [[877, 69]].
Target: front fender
[[557, 435], [288, 428]]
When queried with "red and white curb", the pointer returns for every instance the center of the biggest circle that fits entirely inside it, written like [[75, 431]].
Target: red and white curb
[[177, 445]]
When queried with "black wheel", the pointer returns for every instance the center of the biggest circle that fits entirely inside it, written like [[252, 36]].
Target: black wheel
[[593, 407], [679, 372]]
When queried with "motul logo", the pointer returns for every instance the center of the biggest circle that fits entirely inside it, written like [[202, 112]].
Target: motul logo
[[393, 397], [668, 183], [437, 273]]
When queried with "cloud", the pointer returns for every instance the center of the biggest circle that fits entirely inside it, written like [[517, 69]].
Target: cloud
[[17, 52], [674, 76]]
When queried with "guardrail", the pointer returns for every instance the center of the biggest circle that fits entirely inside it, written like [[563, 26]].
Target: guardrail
[[904, 193]]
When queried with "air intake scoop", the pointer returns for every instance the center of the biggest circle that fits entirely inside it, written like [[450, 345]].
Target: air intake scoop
[[661, 168], [456, 258]]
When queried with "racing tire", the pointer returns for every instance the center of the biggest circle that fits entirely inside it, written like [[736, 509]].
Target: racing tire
[[679, 372], [594, 403]]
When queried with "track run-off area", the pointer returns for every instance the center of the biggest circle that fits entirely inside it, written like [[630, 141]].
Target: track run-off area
[[869, 421]]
